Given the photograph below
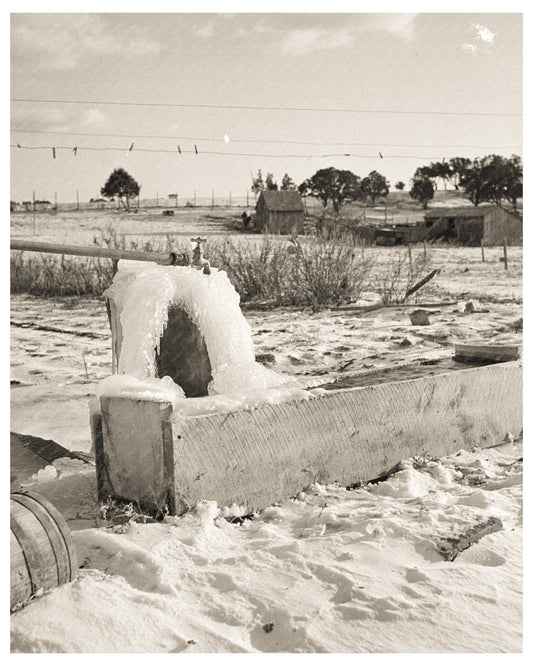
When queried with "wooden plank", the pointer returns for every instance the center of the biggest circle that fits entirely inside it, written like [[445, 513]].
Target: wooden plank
[[132, 451], [103, 485], [450, 547], [256, 458], [483, 352]]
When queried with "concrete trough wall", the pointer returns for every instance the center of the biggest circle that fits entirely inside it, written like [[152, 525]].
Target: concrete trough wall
[[259, 457]]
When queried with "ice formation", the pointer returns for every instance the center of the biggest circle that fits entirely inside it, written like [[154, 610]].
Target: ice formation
[[143, 294]]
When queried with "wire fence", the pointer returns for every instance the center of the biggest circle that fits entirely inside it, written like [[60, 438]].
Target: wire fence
[[187, 200]]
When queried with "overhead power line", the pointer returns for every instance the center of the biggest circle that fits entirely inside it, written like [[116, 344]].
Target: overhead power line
[[272, 141], [196, 151], [265, 108]]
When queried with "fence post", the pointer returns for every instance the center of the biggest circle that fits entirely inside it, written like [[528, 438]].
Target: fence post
[[34, 213], [482, 251], [505, 252]]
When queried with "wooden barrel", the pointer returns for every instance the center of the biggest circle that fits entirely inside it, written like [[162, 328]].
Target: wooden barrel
[[43, 555]]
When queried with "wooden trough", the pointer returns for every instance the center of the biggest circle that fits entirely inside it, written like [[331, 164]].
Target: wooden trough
[[253, 458], [357, 431]]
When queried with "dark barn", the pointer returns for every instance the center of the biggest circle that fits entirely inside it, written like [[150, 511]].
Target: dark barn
[[279, 212], [472, 224]]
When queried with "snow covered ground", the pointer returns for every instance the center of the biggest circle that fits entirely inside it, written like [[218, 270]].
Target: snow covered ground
[[332, 570]]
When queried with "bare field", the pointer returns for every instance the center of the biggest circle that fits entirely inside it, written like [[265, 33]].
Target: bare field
[[80, 227]]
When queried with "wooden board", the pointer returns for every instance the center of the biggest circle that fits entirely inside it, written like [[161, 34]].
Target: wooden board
[[490, 353], [266, 455], [130, 458]]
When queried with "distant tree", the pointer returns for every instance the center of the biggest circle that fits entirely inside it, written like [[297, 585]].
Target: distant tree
[[287, 183], [422, 190], [374, 185], [440, 170], [12, 205], [514, 184], [473, 184], [400, 185], [270, 184], [258, 184], [458, 167], [333, 185], [120, 184], [493, 178]]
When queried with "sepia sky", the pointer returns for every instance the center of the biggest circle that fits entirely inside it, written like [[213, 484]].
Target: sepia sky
[[314, 90]]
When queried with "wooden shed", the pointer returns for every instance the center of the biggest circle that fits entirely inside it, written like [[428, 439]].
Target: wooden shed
[[279, 212], [472, 224]]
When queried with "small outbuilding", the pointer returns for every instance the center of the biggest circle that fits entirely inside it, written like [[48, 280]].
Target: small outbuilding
[[472, 224], [279, 212]]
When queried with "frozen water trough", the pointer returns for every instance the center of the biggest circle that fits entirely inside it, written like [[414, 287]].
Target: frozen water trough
[[190, 416]]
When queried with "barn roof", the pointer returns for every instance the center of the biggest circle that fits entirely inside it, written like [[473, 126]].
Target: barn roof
[[282, 200], [458, 211]]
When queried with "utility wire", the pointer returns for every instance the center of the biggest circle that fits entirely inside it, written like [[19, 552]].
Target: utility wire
[[265, 108], [299, 143], [215, 152]]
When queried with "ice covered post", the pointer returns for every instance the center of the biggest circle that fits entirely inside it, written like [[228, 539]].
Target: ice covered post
[[179, 347]]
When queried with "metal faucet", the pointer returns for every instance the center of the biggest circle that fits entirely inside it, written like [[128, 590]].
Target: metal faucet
[[198, 260]]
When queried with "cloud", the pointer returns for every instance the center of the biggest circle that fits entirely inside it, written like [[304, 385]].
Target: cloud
[[64, 41], [398, 25], [484, 34], [301, 41], [94, 118], [344, 31], [49, 118], [483, 39]]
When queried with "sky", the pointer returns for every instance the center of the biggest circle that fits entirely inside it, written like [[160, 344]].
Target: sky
[[235, 93]]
